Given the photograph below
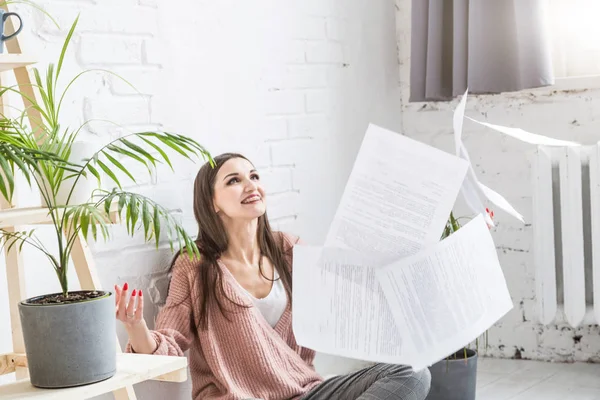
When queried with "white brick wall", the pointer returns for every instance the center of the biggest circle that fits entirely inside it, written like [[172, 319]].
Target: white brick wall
[[336, 29], [121, 110], [261, 78], [100, 49], [285, 102], [274, 128], [295, 52], [324, 52], [307, 126], [102, 19], [277, 180], [310, 28], [302, 77], [151, 52], [317, 101], [145, 80], [289, 152], [502, 163]]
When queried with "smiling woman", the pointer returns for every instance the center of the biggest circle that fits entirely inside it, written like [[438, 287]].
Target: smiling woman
[[238, 183], [232, 307]]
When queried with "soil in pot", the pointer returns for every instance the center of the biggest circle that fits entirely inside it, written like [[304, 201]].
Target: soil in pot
[[73, 297], [455, 377], [69, 341]]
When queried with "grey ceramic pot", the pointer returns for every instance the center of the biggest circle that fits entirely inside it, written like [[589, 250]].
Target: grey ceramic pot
[[70, 344], [454, 379]]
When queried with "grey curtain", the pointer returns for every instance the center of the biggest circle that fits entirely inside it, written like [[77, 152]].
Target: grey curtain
[[491, 46]]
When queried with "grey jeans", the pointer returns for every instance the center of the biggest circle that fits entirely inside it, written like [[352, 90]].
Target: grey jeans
[[378, 382]]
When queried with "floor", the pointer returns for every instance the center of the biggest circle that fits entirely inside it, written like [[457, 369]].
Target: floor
[[533, 380]]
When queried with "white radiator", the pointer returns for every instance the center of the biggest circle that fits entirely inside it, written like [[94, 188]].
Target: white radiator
[[566, 234]]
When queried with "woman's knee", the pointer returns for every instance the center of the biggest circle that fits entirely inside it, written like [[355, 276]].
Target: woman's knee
[[422, 382], [419, 382]]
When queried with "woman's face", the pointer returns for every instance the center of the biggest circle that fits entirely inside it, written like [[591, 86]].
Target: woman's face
[[239, 193]]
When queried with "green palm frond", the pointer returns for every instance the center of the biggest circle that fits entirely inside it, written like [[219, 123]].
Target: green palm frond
[[146, 148], [137, 212], [143, 212], [19, 149], [28, 161], [87, 218], [12, 239]]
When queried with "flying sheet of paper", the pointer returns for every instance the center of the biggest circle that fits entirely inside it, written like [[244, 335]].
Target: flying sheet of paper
[[446, 295], [525, 136], [398, 197], [339, 307], [472, 190]]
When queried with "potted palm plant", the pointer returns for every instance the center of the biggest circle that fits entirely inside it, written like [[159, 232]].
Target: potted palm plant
[[70, 336], [455, 377]]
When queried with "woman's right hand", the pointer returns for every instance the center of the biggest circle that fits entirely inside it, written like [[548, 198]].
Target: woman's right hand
[[130, 311], [127, 311]]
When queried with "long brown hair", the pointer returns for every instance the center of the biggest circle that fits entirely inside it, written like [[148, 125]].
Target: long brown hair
[[212, 241]]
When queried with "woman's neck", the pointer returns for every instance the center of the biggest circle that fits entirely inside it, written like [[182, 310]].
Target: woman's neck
[[243, 245]]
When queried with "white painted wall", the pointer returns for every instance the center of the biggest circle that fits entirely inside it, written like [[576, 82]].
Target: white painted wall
[[502, 164], [293, 85]]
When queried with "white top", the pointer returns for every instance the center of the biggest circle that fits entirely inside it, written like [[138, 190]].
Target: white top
[[272, 306]]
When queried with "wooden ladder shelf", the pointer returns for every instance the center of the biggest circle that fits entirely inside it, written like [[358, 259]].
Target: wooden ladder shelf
[[131, 368]]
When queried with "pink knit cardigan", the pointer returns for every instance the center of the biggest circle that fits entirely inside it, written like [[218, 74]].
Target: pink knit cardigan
[[237, 359]]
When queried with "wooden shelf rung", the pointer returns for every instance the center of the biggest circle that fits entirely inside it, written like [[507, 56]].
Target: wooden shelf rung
[[36, 216], [9, 62], [9, 362]]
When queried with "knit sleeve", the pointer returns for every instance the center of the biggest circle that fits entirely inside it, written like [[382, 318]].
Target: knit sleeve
[[174, 328], [288, 242]]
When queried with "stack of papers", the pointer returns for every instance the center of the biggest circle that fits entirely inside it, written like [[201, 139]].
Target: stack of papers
[[384, 288]]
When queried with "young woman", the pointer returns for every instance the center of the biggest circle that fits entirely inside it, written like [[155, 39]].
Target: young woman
[[231, 308]]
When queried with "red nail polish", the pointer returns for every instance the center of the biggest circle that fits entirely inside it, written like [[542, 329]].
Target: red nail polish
[[133, 294], [125, 286], [140, 292]]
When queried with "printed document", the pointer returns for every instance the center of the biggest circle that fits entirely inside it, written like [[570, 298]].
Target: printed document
[[398, 197], [447, 295], [383, 278], [397, 200], [415, 311], [339, 308]]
